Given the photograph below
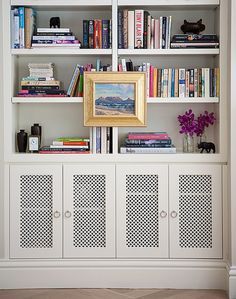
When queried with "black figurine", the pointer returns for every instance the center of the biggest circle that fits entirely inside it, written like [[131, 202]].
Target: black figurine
[[207, 146], [190, 27], [55, 22]]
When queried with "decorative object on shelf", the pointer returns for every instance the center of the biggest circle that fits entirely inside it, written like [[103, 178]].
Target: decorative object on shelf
[[203, 121], [114, 99], [36, 130], [22, 141], [191, 27], [207, 146], [188, 125], [55, 22], [34, 143]]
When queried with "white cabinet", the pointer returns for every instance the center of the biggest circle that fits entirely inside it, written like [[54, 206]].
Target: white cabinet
[[192, 225], [195, 211], [142, 205], [89, 210], [35, 211]]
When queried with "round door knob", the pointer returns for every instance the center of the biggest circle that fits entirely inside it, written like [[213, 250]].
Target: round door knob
[[67, 214], [163, 214], [173, 214], [57, 214]]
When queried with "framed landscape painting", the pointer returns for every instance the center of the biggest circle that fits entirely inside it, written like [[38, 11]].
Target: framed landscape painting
[[114, 99]]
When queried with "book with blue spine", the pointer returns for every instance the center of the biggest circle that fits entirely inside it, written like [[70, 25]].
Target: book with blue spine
[[85, 34], [16, 29], [22, 26]]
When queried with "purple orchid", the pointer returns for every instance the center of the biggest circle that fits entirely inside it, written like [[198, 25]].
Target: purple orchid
[[187, 123], [203, 121]]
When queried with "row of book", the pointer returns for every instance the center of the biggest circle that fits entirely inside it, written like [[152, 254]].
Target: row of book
[[174, 82], [102, 140], [148, 143], [97, 34], [40, 82], [54, 37], [75, 88], [138, 29], [194, 41], [67, 145], [23, 26]]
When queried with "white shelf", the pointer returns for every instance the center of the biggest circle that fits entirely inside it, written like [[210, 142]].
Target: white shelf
[[117, 158], [182, 100], [62, 3], [61, 51], [172, 3], [45, 100], [67, 100], [143, 52]]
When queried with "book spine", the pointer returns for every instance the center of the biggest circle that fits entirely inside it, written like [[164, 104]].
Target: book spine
[[154, 82], [103, 140], [195, 82], [166, 33], [151, 145], [200, 82], [207, 82], [110, 33], [134, 150], [165, 83], [105, 34], [81, 81], [53, 30], [91, 34], [163, 32], [22, 26], [125, 28], [12, 29], [203, 83], [38, 88], [85, 34], [169, 82], [182, 83], [149, 32], [151, 94], [76, 71], [148, 78], [148, 136], [28, 27], [169, 32], [138, 35], [191, 83], [145, 29], [176, 83], [217, 82], [152, 33], [16, 29], [120, 30], [54, 38], [172, 82], [160, 41], [156, 34], [159, 78], [133, 142]]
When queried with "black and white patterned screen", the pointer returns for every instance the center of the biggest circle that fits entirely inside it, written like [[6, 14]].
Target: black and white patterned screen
[[36, 211], [142, 211], [89, 206], [195, 211]]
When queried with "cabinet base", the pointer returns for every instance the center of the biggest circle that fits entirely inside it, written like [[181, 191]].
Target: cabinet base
[[232, 283], [113, 274]]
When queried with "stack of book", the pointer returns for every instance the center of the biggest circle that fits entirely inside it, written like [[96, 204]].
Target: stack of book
[[40, 82], [97, 34], [148, 143], [67, 145], [195, 41], [173, 82], [23, 26], [75, 88], [138, 29], [55, 37]]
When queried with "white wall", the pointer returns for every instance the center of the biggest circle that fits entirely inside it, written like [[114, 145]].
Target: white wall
[[1, 134]]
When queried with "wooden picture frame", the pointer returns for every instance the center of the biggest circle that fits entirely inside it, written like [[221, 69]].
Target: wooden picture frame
[[115, 99]]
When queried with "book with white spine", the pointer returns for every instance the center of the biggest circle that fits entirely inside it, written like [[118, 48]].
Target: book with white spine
[[182, 83], [138, 28], [148, 150], [131, 29], [54, 30]]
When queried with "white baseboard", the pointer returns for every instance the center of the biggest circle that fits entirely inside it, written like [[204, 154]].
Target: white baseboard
[[118, 276], [232, 283]]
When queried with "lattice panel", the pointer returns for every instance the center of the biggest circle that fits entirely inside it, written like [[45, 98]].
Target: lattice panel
[[142, 227], [195, 211], [89, 204], [36, 211]]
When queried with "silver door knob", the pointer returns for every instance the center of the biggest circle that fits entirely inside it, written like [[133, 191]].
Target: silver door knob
[[163, 214], [173, 214], [56, 214], [67, 214]]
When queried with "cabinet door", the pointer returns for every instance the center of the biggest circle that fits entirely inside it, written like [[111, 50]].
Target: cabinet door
[[89, 211], [142, 205], [35, 211], [195, 211]]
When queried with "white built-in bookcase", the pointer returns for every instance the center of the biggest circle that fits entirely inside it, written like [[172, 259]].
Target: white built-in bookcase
[[64, 116]]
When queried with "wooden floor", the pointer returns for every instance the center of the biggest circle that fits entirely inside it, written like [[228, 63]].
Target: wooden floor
[[112, 294]]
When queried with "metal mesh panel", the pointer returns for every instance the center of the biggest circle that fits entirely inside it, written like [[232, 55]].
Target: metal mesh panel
[[142, 211], [89, 205], [36, 211], [195, 211]]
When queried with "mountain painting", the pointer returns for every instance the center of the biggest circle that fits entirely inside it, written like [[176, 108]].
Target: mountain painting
[[114, 99]]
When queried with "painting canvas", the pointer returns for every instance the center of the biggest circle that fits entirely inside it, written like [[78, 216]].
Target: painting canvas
[[114, 99]]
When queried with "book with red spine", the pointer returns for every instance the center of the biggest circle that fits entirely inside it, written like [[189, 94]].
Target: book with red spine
[[148, 135]]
